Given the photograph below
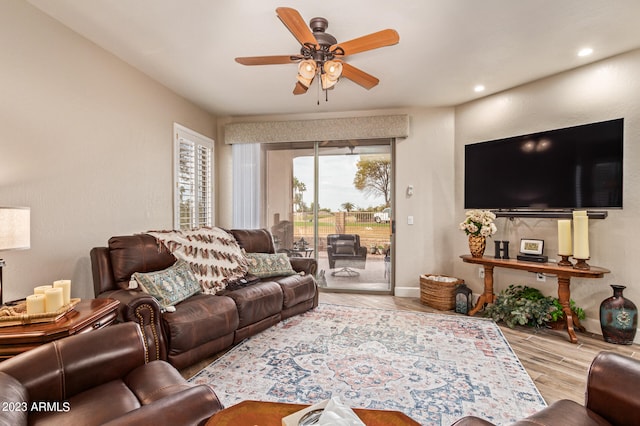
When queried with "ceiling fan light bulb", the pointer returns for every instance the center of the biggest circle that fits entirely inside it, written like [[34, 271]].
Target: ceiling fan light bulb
[[333, 69], [307, 69]]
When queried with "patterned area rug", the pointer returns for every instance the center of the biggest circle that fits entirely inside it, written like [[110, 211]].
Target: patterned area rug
[[434, 368]]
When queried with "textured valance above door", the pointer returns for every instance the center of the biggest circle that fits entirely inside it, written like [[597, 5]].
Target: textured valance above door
[[371, 127]]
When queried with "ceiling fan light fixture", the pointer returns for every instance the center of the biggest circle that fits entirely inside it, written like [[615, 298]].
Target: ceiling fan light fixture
[[327, 83], [307, 68], [332, 71], [306, 71]]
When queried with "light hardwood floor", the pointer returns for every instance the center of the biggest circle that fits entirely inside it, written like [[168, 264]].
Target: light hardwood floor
[[557, 367]]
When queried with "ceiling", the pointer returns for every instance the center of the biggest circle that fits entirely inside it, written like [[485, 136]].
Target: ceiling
[[446, 46]]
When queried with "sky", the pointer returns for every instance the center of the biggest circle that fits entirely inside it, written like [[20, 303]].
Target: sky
[[335, 182]]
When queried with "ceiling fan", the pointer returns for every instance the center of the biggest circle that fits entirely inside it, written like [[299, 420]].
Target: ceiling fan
[[321, 54]]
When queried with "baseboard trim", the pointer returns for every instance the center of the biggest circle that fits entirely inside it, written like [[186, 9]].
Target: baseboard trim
[[407, 292]]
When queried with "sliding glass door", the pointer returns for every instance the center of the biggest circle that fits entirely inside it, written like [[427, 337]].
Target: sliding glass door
[[332, 200]]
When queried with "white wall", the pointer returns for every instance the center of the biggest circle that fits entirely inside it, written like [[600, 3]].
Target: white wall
[[601, 91], [86, 142], [425, 160]]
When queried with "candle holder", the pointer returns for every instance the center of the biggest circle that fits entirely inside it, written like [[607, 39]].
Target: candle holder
[[565, 261], [582, 265]]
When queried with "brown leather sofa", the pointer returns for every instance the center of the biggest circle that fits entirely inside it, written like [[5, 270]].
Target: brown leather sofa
[[204, 324], [611, 398], [100, 377]]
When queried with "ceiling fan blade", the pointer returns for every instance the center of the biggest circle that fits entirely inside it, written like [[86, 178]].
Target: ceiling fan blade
[[268, 60], [292, 19], [300, 89], [358, 76], [369, 42]]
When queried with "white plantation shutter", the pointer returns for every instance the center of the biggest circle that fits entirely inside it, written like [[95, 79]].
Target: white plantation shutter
[[193, 197]]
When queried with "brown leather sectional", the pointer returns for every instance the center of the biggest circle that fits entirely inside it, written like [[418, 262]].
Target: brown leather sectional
[[204, 324], [611, 398], [96, 378]]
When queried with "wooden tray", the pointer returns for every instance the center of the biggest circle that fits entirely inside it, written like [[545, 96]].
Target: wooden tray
[[17, 314]]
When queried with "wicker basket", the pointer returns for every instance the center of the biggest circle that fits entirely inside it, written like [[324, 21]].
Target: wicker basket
[[440, 295]]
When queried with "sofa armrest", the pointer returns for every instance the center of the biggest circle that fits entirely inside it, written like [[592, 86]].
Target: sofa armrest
[[58, 370], [308, 265], [15, 400], [193, 406], [609, 383], [143, 309]]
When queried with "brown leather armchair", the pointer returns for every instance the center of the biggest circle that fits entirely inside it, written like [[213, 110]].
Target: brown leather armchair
[[610, 398], [344, 251], [100, 377]]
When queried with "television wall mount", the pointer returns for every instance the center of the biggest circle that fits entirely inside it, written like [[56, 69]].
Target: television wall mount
[[548, 214]]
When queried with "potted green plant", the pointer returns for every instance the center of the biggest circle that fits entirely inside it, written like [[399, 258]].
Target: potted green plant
[[523, 305]]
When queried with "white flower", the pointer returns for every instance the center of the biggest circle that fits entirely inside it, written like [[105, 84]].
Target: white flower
[[479, 222]]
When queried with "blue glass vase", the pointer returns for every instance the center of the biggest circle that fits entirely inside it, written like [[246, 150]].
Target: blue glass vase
[[618, 318]]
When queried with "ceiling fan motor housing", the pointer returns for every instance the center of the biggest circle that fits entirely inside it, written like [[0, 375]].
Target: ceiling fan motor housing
[[325, 40]]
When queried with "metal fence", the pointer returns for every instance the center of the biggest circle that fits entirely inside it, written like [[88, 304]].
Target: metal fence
[[375, 236]]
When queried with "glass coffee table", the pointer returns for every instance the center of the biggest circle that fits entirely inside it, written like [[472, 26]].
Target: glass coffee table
[[260, 413]]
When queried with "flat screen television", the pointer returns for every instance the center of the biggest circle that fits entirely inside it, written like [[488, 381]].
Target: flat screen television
[[572, 168]]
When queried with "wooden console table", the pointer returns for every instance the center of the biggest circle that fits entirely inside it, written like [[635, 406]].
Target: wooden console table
[[564, 274], [88, 315]]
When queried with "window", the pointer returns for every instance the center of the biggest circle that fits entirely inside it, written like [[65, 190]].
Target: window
[[193, 176]]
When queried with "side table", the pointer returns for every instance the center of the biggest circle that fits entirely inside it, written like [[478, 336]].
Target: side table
[[86, 316]]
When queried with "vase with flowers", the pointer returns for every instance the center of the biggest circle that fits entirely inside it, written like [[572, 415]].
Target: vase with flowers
[[478, 225]]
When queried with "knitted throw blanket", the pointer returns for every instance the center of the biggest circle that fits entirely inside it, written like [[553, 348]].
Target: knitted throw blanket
[[213, 254]]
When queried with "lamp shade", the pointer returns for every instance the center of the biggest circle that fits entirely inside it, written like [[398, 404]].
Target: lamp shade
[[15, 228], [306, 71], [332, 71]]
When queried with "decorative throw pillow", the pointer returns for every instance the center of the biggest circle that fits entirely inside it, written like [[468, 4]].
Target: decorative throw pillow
[[213, 254], [265, 265], [171, 285]]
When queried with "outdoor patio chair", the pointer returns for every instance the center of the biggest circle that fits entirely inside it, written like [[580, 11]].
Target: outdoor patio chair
[[345, 252]]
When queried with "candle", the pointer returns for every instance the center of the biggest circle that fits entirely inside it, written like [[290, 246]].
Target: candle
[[65, 285], [35, 304], [41, 289], [580, 235], [564, 238], [53, 299]]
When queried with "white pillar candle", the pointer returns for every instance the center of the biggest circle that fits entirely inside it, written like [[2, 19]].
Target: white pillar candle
[[53, 299], [35, 304], [40, 289], [65, 285], [580, 235], [564, 238]]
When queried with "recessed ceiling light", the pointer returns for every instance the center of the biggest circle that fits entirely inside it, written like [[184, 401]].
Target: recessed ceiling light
[[478, 88], [586, 51]]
